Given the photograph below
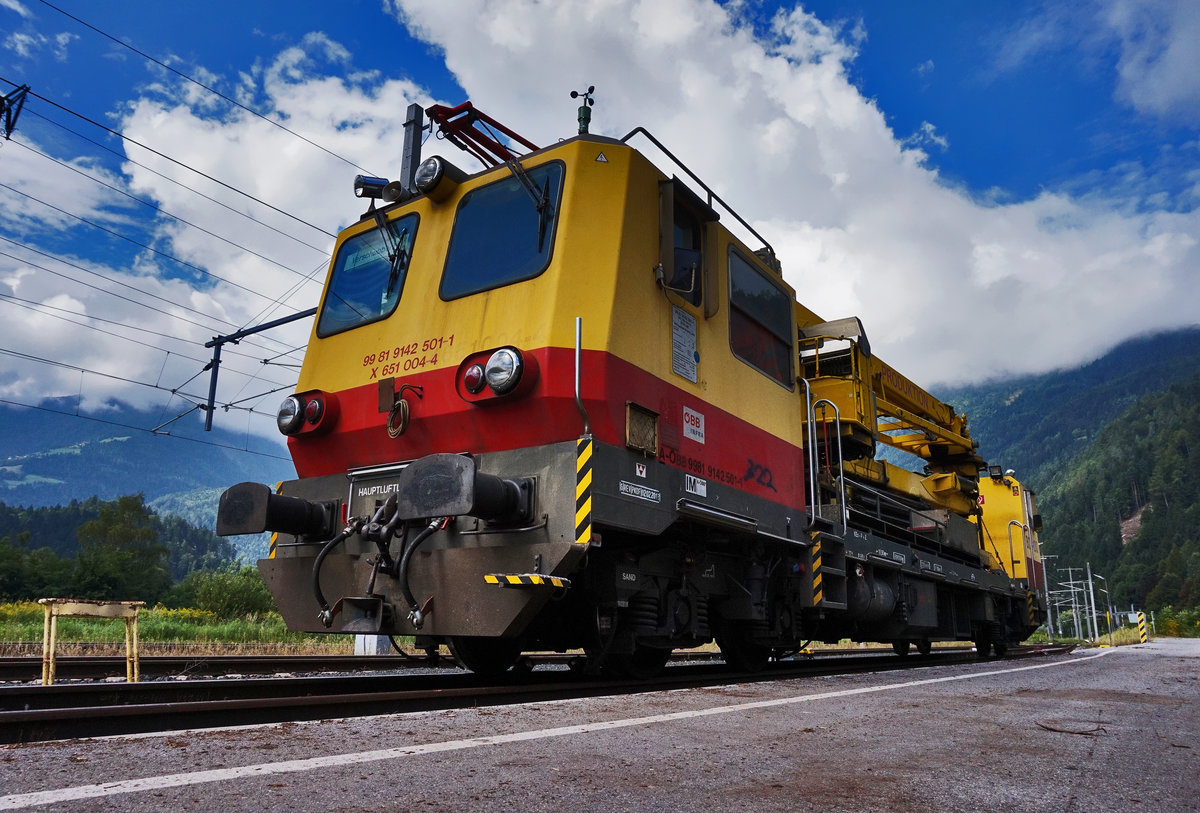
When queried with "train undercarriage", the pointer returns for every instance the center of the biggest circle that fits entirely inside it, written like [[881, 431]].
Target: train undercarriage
[[659, 569]]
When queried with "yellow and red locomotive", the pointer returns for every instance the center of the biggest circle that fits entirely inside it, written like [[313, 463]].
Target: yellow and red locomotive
[[557, 404]]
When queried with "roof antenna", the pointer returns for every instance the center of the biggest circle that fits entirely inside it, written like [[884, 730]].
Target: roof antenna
[[585, 112]]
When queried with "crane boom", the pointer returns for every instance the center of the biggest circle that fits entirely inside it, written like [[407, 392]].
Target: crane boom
[[876, 404]]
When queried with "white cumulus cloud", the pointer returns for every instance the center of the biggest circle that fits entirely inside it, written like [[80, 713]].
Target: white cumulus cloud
[[862, 224]]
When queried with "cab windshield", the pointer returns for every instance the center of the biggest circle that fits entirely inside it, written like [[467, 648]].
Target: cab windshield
[[503, 232], [368, 276]]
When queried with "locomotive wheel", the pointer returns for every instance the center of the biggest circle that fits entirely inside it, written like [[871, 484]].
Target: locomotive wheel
[[643, 663], [485, 656], [1000, 647], [743, 655], [900, 648], [924, 646]]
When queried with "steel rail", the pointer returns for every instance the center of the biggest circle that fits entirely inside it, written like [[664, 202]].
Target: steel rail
[[24, 668], [91, 667], [40, 713]]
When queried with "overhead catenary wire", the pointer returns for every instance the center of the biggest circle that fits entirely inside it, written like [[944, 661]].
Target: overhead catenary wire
[[166, 157], [171, 180], [109, 279], [124, 379], [128, 239], [162, 211], [283, 297], [43, 408], [276, 304], [122, 284], [212, 90], [43, 308]]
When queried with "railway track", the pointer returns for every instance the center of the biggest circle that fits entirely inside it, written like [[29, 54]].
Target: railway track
[[31, 713], [88, 667], [26, 668]]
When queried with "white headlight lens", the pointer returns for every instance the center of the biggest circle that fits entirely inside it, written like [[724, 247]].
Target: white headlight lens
[[290, 417], [503, 370], [428, 174]]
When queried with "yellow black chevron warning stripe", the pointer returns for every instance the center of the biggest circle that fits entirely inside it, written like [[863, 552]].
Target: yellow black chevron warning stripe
[[818, 594], [275, 536], [1029, 608], [583, 490], [1142, 627], [525, 580]]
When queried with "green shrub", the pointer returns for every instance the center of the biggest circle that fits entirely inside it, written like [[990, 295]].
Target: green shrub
[[235, 593]]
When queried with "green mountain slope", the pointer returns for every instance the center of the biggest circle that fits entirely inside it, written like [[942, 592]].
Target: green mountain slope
[[1130, 503], [1108, 446], [48, 458], [1037, 424]]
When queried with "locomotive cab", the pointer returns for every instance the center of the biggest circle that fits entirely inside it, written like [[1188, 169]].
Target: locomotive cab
[[557, 404]]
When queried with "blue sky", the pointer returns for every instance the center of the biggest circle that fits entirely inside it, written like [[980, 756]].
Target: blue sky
[[950, 172], [1025, 100]]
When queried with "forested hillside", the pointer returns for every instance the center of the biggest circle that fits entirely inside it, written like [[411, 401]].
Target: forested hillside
[[1130, 503], [1038, 424], [102, 549], [1108, 448]]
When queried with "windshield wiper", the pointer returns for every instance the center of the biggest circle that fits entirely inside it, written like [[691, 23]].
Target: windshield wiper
[[540, 198], [397, 250]]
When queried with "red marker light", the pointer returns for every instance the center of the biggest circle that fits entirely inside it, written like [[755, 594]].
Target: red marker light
[[473, 379], [313, 410]]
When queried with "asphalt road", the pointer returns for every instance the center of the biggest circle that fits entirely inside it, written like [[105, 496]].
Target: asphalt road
[[1096, 730]]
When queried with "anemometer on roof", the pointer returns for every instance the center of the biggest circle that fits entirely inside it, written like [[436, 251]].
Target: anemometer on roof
[[585, 113]]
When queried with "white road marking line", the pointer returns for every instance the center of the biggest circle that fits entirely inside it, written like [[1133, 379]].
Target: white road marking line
[[18, 801]]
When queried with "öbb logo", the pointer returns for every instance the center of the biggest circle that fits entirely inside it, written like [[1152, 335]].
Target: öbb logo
[[693, 425]]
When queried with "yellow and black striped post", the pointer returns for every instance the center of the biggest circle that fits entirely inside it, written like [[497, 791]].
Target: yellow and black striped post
[[583, 490], [275, 536], [1142, 627], [817, 592]]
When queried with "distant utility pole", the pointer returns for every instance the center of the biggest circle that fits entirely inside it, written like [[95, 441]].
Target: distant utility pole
[[1049, 599], [1092, 597], [10, 109], [1072, 584]]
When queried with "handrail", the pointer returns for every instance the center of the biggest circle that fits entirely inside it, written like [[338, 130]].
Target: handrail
[[1011, 550], [810, 510], [712, 196], [841, 478], [587, 423]]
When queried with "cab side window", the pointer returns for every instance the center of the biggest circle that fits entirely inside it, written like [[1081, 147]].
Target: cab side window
[[682, 265], [760, 320], [687, 273]]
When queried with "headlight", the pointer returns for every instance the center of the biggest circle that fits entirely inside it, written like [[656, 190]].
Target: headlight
[[290, 417], [437, 178], [366, 186], [503, 371], [429, 174]]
